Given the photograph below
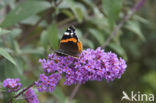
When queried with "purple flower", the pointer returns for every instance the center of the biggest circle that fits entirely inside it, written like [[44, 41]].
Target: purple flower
[[91, 65], [12, 84], [48, 83], [30, 96]]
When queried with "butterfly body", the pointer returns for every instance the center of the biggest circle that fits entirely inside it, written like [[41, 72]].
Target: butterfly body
[[69, 44]]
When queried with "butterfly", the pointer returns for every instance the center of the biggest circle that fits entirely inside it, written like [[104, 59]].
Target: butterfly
[[69, 45]]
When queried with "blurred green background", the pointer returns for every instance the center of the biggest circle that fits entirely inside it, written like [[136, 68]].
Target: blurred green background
[[31, 29]]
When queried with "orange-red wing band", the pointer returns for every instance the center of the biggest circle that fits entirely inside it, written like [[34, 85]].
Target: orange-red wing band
[[67, 40], [79, 44]]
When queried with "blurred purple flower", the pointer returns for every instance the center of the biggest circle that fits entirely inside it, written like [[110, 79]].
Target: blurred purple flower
[[30, 96], [91, 65], [139, 4], [12, 84]]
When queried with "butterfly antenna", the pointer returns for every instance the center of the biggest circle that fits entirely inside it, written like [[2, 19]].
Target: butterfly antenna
[[71, 28]]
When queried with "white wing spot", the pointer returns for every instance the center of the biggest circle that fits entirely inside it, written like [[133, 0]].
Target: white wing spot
[[66, 33]]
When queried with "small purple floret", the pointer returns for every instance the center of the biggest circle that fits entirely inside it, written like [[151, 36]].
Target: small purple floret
[[12, 85], [30, 96]]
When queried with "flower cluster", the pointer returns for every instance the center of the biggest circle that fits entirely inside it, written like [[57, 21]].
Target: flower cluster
[[12, 84], [30, 96], [48, 83], [91, 65]]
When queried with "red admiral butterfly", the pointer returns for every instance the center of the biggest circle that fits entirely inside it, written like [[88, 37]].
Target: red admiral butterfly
[[69, 44]]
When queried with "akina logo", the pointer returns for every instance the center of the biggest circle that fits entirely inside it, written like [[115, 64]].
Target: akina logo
[[137, 96]]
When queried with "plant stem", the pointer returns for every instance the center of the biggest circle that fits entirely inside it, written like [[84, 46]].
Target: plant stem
[[75, 90], [136, 7], [10, 100]]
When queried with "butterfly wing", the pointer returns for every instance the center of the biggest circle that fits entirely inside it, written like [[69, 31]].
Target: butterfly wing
[[69, 44]]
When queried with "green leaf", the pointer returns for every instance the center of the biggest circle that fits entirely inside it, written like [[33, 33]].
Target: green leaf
[[20, 101], [15, 33], [88, 43], [141, 19], [23, 11], [19, 66], [135, 27], [6, 96], [3, 31], [32, 51], [68, 13], [6, 55], [44, 39], [59, 95], [97, 35], [112, 9], [16, 47], [2, 4], [119, 50], [31, 20], [101, 23], [77, 8], [53, 36], [72, 101], [8, 70], [78, 13], [90, 3], [149, 79]]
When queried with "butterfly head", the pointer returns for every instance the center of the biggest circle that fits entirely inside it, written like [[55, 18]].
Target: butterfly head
[[70, 33]]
